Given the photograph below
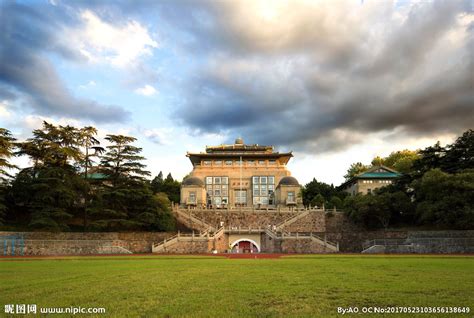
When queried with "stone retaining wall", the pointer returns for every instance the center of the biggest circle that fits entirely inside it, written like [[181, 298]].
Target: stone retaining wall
[[73, 243], [303, 246], [244, 219]]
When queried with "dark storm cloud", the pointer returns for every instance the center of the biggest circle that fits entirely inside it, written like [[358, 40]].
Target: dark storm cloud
[[28, 35], [325, 84]]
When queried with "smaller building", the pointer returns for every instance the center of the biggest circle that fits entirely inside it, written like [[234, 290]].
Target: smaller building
[[366, 182]]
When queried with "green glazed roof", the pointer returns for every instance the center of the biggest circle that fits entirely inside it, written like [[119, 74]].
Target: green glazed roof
[[378, 175], [96, 176]]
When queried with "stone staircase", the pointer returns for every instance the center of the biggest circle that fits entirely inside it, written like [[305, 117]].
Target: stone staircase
[[205, 240], [191, 221], [168, 244], [291, 220]]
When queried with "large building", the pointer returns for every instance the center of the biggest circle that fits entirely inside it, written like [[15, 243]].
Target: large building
[[368, 181], [240, 175]]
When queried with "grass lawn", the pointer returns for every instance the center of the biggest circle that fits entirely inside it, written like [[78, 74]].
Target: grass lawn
[[172, 286]]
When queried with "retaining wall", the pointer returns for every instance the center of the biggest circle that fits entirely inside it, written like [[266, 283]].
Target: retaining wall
[[74, 243]]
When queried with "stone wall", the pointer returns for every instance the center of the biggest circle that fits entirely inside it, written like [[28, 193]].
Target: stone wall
[[303, 246], [75, 243], [315, 221], [243, 219], [190, 247]]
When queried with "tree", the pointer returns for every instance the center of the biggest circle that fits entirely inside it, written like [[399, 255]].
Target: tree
[[355, 169], [91, 147], [122, 161], [51, 190], [115, 203], [157, 183], [125, 200], [460, 155], [7, 146], [318, 200], [401, 161], [334, 202], [384, 207], [378, 161], [445, 199], [172, 188]]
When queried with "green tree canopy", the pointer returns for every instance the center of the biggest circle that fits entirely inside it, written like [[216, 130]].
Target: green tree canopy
[[355, 169], [50, 191]]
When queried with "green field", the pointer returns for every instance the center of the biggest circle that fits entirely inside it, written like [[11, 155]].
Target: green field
[[309, 286]]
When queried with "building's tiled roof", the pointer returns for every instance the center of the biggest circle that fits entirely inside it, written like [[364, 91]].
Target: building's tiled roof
[[378, 175], [373, 173], [96, 176], [237, 150]]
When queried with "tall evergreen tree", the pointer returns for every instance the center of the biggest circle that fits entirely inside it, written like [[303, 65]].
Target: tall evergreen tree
[[157, 183], [7, 146], [125, 200], [91, 149], [172, 188], [51, 190]]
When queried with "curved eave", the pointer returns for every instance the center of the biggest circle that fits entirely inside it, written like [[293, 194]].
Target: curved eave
[[197, 157]]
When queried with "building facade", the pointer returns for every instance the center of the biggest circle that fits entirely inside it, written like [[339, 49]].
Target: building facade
[[240, 175], [368, 181]]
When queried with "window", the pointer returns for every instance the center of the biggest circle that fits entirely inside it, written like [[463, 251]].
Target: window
[[218, 162], [207, 162], [261, 162], [263, 188], [290, 197], [217, 190], [192, 197], [228, 162], [251, 163], [272, 162], [240, 197]]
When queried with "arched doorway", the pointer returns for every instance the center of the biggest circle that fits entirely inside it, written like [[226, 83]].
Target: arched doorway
[[245, 246]]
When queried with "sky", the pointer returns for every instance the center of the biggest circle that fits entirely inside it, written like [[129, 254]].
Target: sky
[[335, 82]]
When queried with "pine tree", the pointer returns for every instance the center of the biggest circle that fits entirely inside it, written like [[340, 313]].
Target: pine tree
[[125, 200], [157, 183], [91, 147], [7, 145], [51, 190]]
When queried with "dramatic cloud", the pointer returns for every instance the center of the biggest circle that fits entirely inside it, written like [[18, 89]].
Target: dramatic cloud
[[28, 37], [321, 75], [313, 76], [118, 45]]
